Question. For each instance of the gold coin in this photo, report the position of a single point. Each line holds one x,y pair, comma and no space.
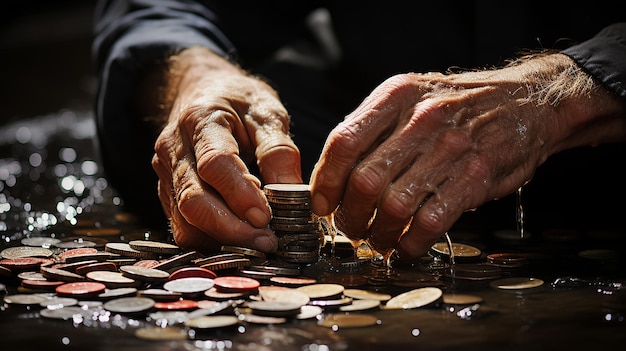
278,293
348,320
366,295
360,305
209,322
459,250
516,283
461,299
321,290
159,333
154,246
414,298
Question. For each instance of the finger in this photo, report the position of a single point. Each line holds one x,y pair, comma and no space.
203,208
347,143
414,185
164,185
277,155
219,164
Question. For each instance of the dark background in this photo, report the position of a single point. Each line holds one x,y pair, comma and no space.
45,61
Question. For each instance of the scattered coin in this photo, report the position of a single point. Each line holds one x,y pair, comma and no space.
44,242
154,246
25,251
189,285
117,293
461,299
69,312
159,294
161,333
308,312
292,281
113,279
414,298
58,302
149,275
129,304
516,283
365,294
361,305
277,293
348,320
506,260
275,308
244,251
25,299
321,290
256,319
230,284
192,272
80,289
177,305
211,322
124,249
459,250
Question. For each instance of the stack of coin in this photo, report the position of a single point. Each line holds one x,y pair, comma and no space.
297,229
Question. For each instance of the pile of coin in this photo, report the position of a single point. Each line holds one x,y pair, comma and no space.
297,229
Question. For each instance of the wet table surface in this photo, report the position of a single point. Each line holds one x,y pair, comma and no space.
52,186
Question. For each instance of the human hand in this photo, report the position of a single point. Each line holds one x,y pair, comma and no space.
221,117
424,148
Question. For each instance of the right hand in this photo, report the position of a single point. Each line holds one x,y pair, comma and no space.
221,117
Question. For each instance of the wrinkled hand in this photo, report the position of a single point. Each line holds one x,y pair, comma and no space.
221,117
424,148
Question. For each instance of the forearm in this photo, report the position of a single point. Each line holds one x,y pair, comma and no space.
587,112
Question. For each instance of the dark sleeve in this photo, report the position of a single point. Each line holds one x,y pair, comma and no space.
131,35
604,57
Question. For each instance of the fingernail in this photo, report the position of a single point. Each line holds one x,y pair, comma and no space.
265,244
257,217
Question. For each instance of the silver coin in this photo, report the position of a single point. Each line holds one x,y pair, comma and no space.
189,285
129,304
160,294
65,313
31,276
144,273
75,244
58,302
112,279
25,251
256,319
117,293
26,299
170,317
275,308
211,322
154,246
40,242
124,249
